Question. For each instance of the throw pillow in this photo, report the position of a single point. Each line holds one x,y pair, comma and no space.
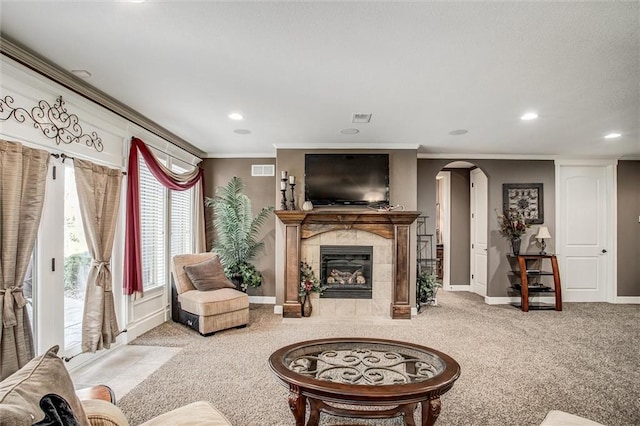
26,387
208,275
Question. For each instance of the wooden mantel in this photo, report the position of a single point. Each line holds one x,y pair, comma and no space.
394,225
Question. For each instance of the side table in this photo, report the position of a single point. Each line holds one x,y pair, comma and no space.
526,272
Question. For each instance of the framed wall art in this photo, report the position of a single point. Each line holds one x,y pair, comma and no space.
526,198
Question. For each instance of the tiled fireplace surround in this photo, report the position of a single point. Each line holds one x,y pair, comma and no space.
386,232
378,305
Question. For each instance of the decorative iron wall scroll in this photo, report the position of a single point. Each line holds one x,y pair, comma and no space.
526,198
53,120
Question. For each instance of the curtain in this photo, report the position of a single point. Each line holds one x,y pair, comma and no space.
176,181
99,198
23,173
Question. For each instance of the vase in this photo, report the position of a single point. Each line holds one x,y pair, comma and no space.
515,245
306,306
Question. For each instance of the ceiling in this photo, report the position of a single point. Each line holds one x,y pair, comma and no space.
298,71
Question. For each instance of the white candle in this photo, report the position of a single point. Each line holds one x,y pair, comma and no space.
292,180
283,174
283,185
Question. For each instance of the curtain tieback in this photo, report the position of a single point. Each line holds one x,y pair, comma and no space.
11,294
101,264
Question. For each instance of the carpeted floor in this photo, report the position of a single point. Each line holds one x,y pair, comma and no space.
515,366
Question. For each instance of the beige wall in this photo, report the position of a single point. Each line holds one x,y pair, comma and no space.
628,228
218,172
498,172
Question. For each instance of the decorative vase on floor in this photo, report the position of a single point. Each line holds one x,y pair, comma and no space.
306,306
515,245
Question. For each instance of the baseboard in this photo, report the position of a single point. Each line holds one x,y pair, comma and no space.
514,299
459,288
144,324
627,300
263,300
414,311
277,309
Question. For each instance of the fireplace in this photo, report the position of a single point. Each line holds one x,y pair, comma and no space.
346,271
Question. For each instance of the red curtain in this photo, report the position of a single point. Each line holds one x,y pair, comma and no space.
132,245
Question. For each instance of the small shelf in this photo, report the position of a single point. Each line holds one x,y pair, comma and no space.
538,306
524,270
534,289
533,273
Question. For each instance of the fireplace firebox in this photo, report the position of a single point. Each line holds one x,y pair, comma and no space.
346,271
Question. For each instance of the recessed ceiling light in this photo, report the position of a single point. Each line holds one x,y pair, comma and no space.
613,135
349,131
458,132
235,116
529,116
242,131
81,73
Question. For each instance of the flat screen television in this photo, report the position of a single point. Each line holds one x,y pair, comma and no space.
347,179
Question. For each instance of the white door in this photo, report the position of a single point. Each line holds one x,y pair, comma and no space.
479,244
584,227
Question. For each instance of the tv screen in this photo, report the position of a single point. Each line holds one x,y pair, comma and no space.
347,179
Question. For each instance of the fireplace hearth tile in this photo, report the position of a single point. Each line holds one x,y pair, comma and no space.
345,238
382,272
381,289
381,307
328,239
364,238
363,307
345,307
382,254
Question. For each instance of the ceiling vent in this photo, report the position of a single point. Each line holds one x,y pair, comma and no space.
361,118
263,170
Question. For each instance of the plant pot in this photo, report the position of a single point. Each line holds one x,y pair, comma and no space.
515,245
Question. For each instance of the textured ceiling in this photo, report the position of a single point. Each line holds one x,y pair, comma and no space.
298,71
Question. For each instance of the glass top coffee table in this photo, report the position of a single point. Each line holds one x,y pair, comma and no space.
364,372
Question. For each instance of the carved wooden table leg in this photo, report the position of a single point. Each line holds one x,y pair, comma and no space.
314,412
408,411
430,411
297,404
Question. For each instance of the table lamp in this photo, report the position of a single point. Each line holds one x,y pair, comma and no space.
543,233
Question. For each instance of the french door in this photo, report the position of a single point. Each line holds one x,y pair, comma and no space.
60,266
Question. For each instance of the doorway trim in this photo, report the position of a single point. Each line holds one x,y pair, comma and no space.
445,177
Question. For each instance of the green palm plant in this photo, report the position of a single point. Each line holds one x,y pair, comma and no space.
237,232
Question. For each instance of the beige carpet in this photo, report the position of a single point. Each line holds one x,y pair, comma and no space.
515,366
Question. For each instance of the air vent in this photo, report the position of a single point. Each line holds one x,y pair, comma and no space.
361,118
263,170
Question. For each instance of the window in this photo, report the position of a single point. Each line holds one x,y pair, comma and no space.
181,222
153,206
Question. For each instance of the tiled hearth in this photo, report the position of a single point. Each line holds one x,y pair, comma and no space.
378,305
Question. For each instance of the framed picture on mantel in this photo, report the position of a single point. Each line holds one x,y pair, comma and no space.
526,198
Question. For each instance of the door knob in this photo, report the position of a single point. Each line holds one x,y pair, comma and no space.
604,250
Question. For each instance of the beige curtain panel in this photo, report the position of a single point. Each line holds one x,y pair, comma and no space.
99,198
23,174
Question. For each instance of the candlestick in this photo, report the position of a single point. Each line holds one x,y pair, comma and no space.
292,180
283,185
292,204
283,200
283,174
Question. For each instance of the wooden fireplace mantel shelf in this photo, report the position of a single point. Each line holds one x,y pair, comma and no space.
318,221
394,225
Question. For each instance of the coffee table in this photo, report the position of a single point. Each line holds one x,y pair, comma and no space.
363,372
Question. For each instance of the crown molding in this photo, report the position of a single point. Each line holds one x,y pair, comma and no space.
241,155
53,72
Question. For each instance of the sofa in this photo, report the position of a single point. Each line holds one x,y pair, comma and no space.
202,297
41,393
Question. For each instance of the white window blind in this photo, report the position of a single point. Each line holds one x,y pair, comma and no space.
181,226
152,217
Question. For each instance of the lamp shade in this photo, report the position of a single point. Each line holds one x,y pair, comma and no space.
543,233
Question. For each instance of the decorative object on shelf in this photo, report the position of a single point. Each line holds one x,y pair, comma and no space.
237,233
53,120
512,226
283,189
526,198
292,184
309,283
543,234
427,288
307,206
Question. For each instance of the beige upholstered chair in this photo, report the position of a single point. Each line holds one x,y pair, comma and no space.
204,311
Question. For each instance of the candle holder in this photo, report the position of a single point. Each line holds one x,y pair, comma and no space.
292,204
283,200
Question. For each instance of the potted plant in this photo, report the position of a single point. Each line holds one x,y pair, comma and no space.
428,286
237,233
512,226
309,283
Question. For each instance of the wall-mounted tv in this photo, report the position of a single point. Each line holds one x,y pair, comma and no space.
347,179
